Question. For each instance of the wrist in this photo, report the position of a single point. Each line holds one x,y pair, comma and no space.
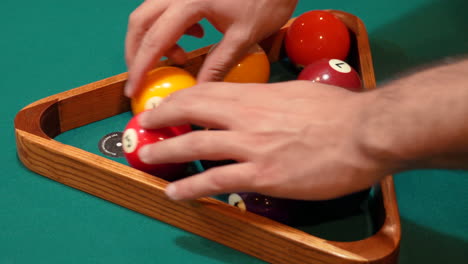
412,123
418,121
379,131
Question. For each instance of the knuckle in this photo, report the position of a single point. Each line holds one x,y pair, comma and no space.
261,141
195,5
135,19
175,104
188,96
150,42
191,3
191,91
241,37
259,179
222,182
217,71
247,179
206,89
265,176
219,182
181,103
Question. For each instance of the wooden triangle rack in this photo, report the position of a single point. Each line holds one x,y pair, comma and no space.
37,124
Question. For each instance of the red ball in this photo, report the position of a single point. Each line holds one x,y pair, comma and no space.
333,72
135,137
316,35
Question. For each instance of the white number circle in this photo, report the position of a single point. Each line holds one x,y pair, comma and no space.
153,102
340,66
130,140
235,199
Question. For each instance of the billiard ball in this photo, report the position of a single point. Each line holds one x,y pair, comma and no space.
316,35
299,212
158,84
270,207
135,137
333,72
252,68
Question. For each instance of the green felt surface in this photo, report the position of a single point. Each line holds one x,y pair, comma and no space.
51,46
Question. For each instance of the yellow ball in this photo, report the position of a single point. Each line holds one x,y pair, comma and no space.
158,84
253,68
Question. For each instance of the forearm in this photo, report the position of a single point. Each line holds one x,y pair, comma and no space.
421,120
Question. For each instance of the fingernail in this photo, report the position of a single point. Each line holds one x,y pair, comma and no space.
171,192
144,154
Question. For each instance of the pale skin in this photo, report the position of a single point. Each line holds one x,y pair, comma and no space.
304,140
156,25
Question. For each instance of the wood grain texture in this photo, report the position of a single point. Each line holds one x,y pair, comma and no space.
268,240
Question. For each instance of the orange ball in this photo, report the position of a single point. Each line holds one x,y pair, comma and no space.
158,84
252,68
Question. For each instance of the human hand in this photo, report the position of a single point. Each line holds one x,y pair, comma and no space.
296,139
155,27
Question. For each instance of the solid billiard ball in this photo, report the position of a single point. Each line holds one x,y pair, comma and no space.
252,68
316,35
135,137
158,84
333,72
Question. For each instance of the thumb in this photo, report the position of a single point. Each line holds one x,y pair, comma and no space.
223,57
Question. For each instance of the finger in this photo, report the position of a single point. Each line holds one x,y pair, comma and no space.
198,145
224,56
224,179
177,55
164,33
187,107
139,22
